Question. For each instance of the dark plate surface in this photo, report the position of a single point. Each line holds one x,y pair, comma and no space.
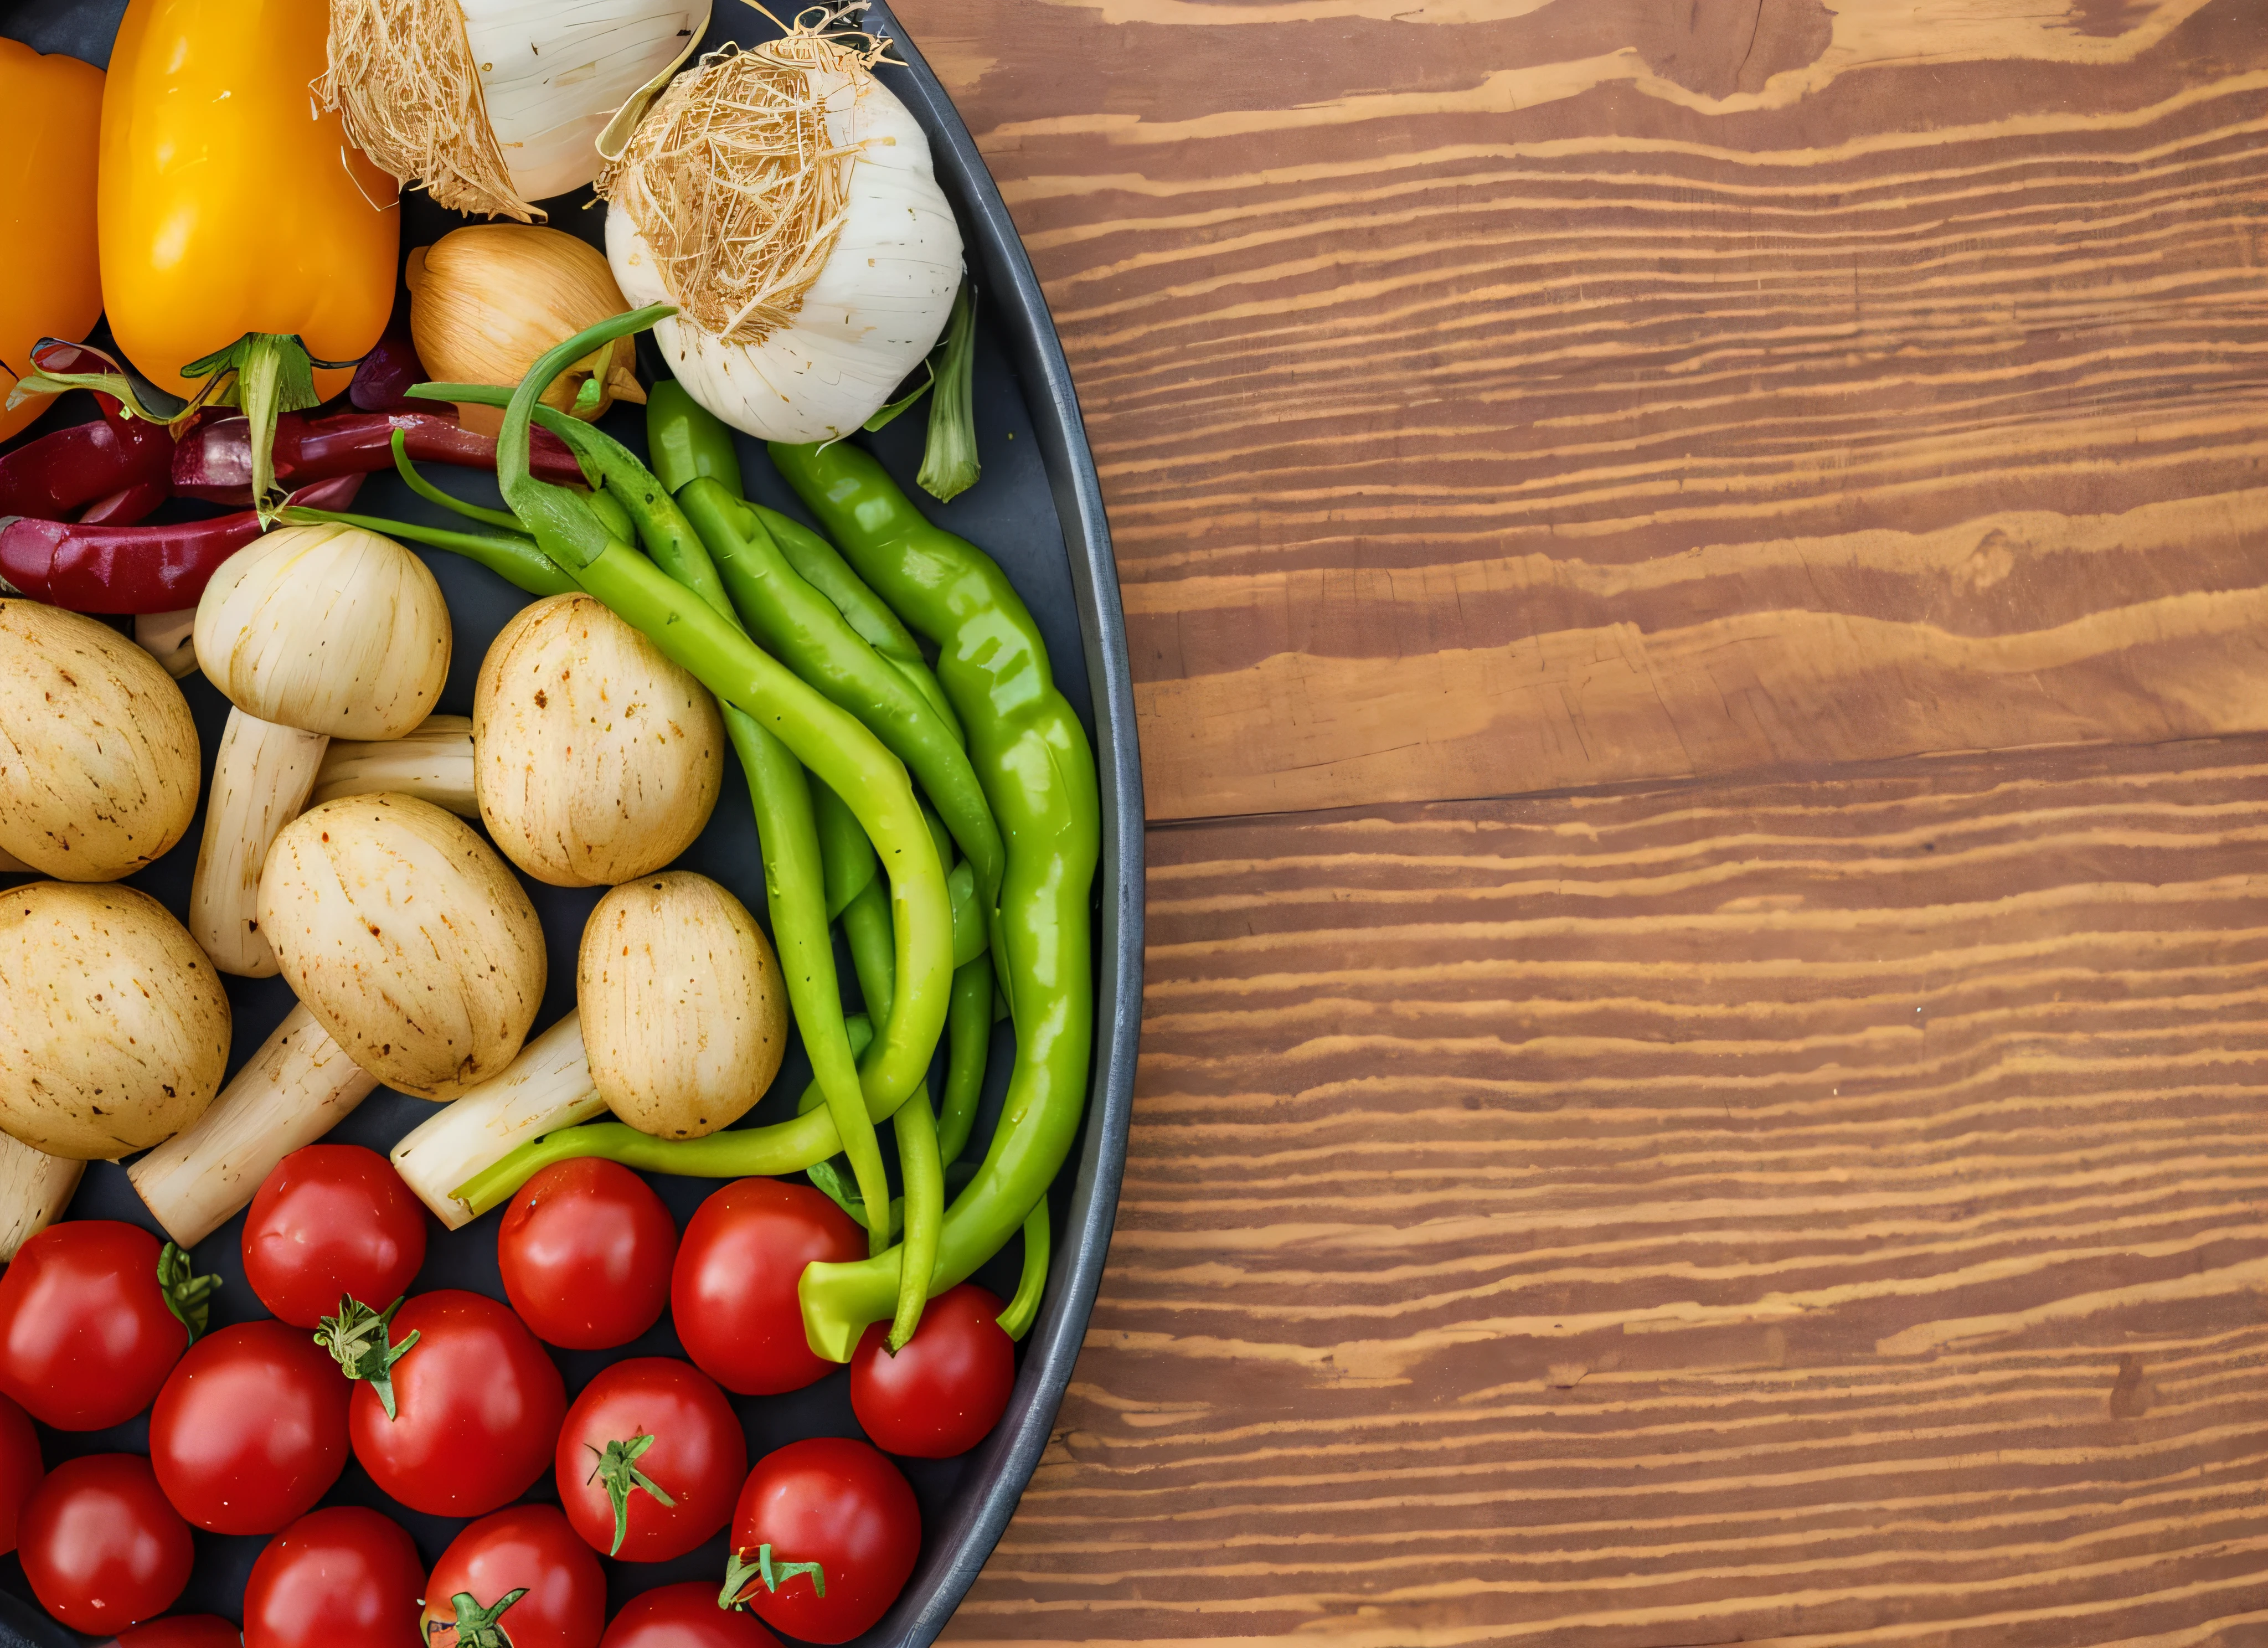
1038,510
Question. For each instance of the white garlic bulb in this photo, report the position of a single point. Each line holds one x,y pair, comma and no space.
493,104
879,298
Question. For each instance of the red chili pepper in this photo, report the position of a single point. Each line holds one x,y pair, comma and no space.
381,383
214,460
56,473
130,507
135,568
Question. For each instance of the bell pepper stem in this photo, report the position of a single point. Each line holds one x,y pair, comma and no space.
268,374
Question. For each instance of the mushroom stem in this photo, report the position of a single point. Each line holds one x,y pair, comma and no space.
434,763
171,638
548,1086
35,1189
261,778
299,1085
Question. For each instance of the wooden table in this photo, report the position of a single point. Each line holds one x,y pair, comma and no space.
1698,572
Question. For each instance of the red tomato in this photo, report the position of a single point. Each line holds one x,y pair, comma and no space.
251,1430
20,1468
332,1219
477,1407
733,1290
342,1578
684,1617
836,1502
528,1546
86,1336
695,1453
183,1630
947,1388
586,1250
102,1548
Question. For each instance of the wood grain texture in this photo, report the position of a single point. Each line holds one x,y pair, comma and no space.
1826,1212
1498,395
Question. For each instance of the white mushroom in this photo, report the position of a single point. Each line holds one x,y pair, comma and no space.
98,756
434,763
548,1086
312,633
407,937
297,1087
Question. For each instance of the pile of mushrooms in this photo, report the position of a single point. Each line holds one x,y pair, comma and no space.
340,850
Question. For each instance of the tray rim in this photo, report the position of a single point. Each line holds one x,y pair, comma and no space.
1007,1460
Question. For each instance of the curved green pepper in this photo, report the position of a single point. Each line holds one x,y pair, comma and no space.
1033,758
832,743
684,439
803,627
828,573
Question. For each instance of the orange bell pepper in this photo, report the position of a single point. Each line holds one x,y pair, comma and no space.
48,284
245,242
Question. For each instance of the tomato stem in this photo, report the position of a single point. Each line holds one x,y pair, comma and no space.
356,1339
186,1294
617,1467
741,1576
476,1626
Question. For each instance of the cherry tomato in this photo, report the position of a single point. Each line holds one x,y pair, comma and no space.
733,1290
528,1546
947,1388
251,1430
20,1468
585,1249
102,1548
85,1335
684,1617
341,1578
683,1436
477,1407
183,1630
839,1503
332,1219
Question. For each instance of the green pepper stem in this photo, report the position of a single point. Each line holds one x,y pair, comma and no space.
432,494
949,466
515,559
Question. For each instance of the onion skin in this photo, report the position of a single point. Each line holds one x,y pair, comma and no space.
99,759
114,1027
407,937
596,760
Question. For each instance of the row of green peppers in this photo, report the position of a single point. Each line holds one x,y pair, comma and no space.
678,552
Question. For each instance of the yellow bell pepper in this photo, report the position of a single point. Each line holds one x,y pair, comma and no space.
48,285
245,242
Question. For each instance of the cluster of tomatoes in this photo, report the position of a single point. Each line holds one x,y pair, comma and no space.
452,1405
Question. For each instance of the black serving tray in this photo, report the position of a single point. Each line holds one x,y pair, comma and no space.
1038,510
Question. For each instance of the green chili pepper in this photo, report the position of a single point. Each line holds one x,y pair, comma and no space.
868,614
804,629
684,439
968,1045
847,855
784,1147
1016,1319
1032,756
866,926
832,743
